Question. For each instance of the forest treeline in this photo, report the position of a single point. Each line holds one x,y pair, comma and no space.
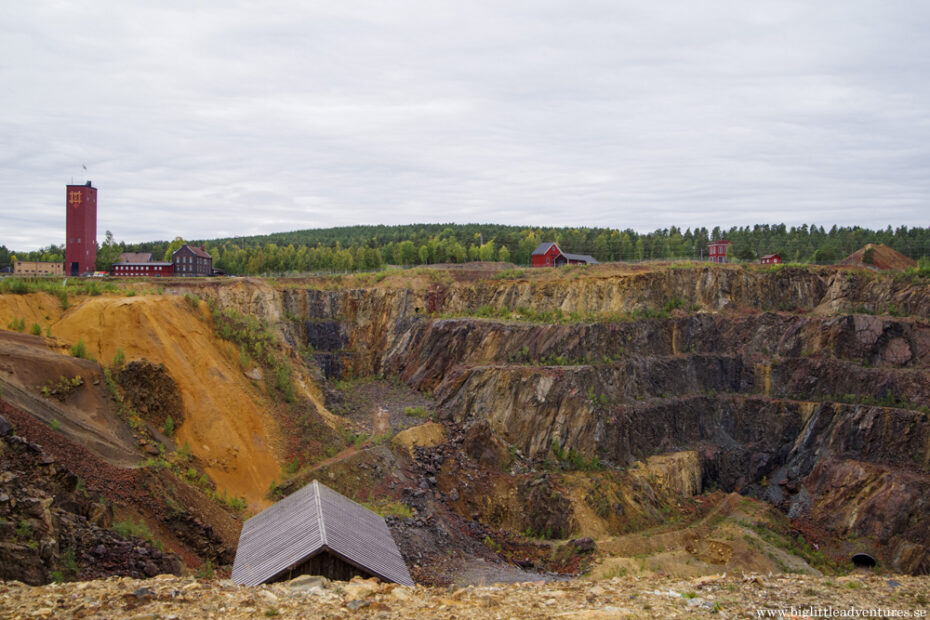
354,248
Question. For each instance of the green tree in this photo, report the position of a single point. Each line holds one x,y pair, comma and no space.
487,251
824,256
745,253
172,247
108,253
408,253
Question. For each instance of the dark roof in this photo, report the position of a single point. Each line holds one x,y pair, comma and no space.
310,521
155,263
588,259
770,256
196,250
135,257
542,248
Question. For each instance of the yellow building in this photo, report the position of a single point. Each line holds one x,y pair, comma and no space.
37,268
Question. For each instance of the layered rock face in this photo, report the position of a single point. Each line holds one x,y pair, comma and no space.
810,389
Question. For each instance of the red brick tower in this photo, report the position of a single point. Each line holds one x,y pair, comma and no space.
81,224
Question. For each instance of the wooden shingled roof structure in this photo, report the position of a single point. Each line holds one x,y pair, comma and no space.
319,532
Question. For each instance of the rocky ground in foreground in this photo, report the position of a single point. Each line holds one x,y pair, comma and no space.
725,596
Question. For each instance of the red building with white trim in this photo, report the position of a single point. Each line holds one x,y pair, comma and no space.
771,259
717,251
150,269
81,229
549,254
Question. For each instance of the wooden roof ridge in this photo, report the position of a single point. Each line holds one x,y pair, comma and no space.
310,521
319,511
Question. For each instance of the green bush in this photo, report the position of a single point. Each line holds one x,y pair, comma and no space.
205,571
79,350
24,530
168,429
416,412
36,329
17,286
118,359
282,381
17,325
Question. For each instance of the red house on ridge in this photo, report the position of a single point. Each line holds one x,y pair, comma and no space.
549,254
718,251
771,259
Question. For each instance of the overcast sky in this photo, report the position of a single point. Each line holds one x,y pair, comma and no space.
209,119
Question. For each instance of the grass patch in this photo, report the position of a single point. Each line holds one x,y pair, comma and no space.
79,350
417,412
778,533
61,388
389,508
130,528
573,460
258,343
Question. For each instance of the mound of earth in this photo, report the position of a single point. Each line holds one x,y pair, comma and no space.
879,256
151,391
66,393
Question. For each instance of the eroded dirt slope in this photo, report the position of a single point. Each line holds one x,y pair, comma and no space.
227,425
67,393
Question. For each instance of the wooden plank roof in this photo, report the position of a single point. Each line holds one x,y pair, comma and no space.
310,521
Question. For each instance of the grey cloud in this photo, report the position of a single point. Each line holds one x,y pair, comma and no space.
235,118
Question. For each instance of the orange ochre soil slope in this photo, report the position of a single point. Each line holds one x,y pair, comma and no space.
226,422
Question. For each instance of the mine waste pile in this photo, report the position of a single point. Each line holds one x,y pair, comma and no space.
594,441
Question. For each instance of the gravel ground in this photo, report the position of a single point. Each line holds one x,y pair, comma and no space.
733,596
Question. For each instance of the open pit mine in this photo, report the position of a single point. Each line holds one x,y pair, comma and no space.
597,428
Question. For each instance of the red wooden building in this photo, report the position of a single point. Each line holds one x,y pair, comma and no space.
148,269
549,254
771,259
717,251
81,229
